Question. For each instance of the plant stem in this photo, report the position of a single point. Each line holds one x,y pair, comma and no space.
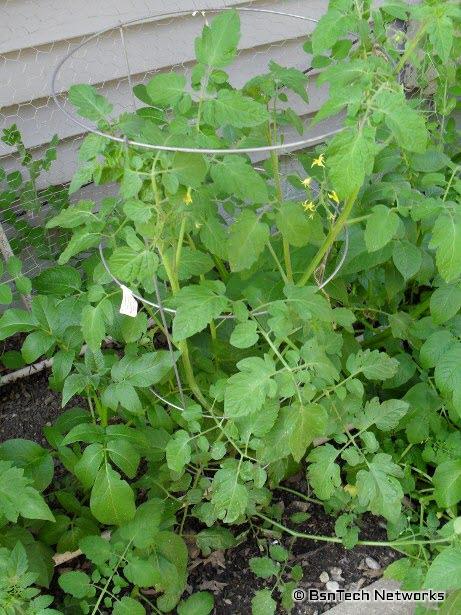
179,246
330,239
365,543
299,494
411,48
277,262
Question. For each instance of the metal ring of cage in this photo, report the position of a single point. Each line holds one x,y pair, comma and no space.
189,150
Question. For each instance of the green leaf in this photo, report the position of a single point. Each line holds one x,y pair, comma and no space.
131,183
381,227
446,240
91,146
263,567
448,370
143,371
178,451
235,177
445,571
16,321
73,384
190,169
140,572
112,499
373,364
131,265
166,89
429,161
128,606
215,538
60,281
406,124
445,303
296,227
331,27
124,394
94,324
308,422
87,467
291,78
234,109
89,103
407,258
230,498
308,303
385,415
349,159
76,215
248,237
169,556
36,462
124,456
6,296
82,240
323,472
192,263
197,306
217,46
77,584
447,483
18,497
435,347
143,529
379,489
35,345
262,603
441,29
244,335
83,175
84,432
133,329
247,390
137,210
200,603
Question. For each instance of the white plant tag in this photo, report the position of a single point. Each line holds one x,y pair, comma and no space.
129,305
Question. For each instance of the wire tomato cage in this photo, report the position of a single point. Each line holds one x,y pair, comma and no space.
119,39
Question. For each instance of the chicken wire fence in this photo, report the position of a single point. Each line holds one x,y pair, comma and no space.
135,40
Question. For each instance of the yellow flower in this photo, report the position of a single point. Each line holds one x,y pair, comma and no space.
309,206
334,197
307,182
331,216
187,198
318,162
351,490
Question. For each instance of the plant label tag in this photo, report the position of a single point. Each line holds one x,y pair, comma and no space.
129,305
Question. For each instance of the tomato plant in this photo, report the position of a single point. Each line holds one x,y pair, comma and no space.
255,365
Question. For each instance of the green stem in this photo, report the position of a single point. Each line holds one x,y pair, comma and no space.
299,495
179,246
277,262
366,543
330,239
411,48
